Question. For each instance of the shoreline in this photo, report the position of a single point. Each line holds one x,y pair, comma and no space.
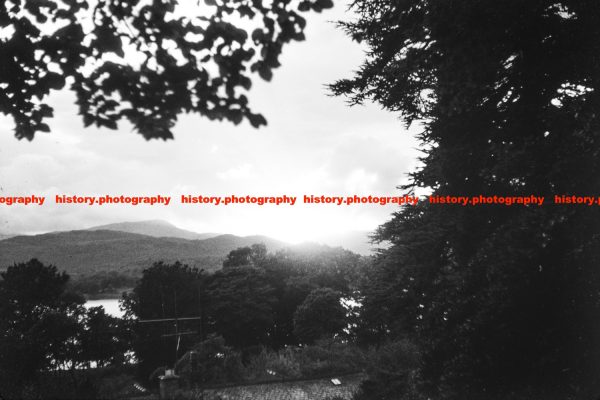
114,295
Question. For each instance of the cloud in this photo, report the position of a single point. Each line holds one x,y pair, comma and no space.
239,172
314,144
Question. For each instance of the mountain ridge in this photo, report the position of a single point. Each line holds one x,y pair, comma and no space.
155,228
132,246
89,251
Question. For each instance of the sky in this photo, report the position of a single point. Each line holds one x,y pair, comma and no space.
315,144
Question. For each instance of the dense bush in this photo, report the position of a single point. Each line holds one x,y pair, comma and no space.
393,373
217,363
211,361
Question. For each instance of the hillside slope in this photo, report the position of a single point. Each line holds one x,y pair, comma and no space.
155,228
85,251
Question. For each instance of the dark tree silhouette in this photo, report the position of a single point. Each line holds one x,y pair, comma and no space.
166,291
499,298
241,306
102,339
293,274
319,316
250,302
245,256
143,61
38,323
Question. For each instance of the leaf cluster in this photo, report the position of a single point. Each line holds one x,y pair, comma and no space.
144,61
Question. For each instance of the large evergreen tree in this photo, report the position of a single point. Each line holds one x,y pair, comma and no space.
499,298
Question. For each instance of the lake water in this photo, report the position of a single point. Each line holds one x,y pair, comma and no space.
111,306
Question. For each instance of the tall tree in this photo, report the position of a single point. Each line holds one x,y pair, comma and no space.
292,274
320,315
241,306
499,298
165,292
102,339
39,323
143,61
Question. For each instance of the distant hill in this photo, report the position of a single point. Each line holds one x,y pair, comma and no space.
356,241
89,251
155,228
5,236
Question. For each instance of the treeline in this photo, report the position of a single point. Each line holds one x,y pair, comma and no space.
47,333
240,323
103,284
257,300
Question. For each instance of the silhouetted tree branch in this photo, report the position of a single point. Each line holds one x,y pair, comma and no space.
142,61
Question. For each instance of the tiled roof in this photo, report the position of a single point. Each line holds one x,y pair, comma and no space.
320,389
